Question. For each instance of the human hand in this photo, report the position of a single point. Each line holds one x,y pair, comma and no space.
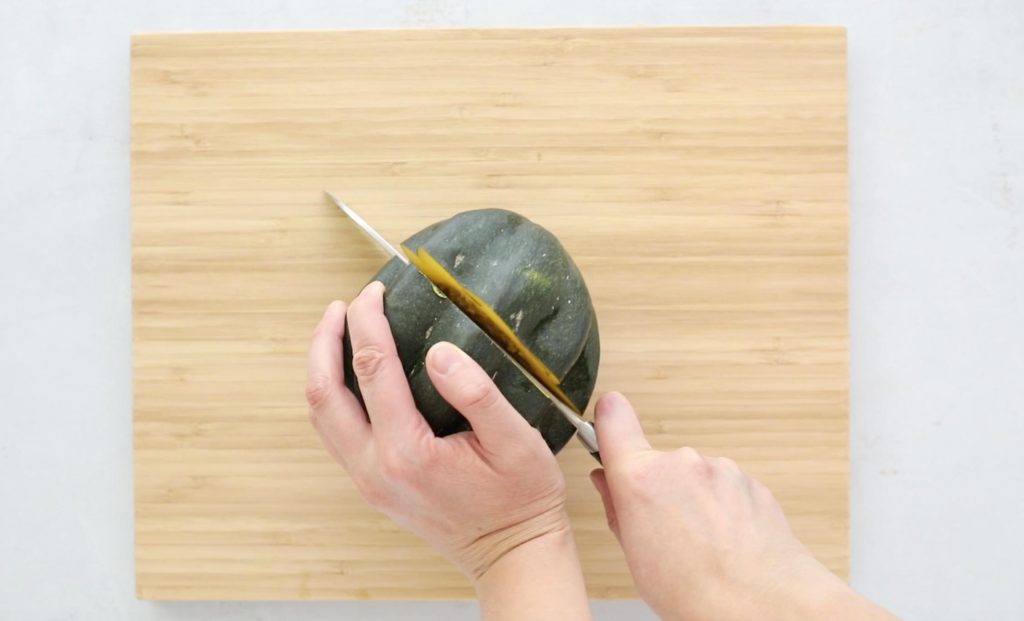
702,539
476,495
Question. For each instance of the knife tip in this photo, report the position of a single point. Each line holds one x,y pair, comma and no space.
337,201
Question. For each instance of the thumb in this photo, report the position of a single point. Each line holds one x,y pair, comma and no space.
618,429
601,483
469,389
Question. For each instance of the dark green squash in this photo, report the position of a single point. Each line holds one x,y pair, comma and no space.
523,272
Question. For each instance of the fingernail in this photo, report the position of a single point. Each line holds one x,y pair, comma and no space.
445,357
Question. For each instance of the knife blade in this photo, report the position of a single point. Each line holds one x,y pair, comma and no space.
366,228
585,431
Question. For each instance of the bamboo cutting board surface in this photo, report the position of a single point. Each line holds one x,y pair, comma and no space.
697,175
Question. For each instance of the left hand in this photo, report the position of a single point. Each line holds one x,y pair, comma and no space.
474,495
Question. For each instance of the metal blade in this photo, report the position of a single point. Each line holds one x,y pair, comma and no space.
585,430
366,228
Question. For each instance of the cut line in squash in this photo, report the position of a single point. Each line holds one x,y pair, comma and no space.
487,319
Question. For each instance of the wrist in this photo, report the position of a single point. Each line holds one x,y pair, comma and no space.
543,533
553,546
539,579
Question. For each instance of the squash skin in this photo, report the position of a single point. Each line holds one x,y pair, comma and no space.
524,274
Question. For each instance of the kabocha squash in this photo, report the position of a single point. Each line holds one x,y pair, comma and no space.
522,272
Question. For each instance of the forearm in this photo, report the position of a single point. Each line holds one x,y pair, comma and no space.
845,604
816,593
538,580
806,591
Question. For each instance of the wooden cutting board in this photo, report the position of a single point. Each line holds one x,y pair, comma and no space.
697,175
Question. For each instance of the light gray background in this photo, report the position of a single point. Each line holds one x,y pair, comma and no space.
936,292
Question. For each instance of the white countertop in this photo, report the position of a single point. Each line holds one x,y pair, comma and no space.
936,112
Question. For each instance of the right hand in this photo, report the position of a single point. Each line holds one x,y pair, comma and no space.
702,539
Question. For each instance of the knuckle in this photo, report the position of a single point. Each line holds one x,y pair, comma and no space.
688,455
480,396
426,461
368,361
723,464
694,463
371,492
418,459
318,388
393,465
703,469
